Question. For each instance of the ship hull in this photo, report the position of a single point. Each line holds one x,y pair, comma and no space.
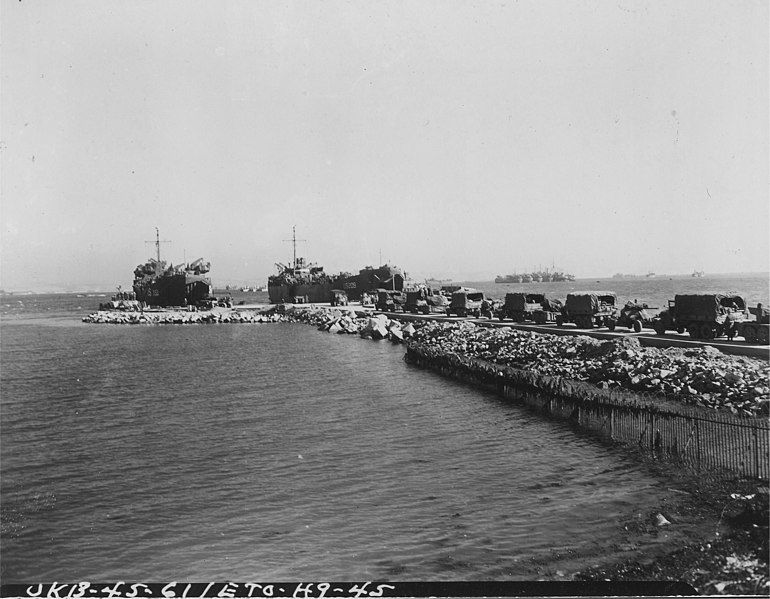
308,293
172,290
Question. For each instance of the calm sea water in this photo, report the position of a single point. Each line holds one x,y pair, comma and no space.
267,452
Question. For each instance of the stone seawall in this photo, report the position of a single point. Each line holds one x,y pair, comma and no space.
711,443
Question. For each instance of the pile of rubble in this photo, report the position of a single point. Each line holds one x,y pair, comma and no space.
702,376
179,317
352,323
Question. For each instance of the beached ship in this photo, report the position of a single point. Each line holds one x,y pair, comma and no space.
306,282
299,283
161,284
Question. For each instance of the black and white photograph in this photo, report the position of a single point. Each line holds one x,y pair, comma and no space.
430,297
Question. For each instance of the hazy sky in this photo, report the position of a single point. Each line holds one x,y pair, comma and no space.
463,139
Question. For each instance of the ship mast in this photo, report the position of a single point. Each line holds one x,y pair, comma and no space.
294,241
157,243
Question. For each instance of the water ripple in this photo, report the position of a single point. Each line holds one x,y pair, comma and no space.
279,452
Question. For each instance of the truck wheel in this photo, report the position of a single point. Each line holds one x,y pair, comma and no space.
660,328
637,326
694,331
749,334
559,321
611,325
680,330
588,322
707,331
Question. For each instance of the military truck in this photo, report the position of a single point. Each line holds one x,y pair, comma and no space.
521,307
466,302
437,302
389,300
586,308
489,308
635,316
425,301
703,316
756,330
339,297
416,301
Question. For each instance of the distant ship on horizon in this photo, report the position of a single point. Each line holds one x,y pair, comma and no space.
434,283
540,276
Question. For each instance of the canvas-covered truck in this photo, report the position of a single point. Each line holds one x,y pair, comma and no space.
521,307
466,302
635,316
550,312
437,301
703,316
425,301
589,308
756,329
389,300
416,301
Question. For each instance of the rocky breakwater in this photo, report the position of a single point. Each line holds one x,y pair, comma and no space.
702,376
180,317
351,322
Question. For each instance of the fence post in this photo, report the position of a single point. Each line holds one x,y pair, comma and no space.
652,433
612,422
697,443
756,451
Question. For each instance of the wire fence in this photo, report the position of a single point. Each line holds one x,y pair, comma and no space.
711,443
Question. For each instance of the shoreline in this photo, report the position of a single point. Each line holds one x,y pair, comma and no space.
734,559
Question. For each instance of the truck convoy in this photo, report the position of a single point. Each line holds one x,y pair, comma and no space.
702,316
